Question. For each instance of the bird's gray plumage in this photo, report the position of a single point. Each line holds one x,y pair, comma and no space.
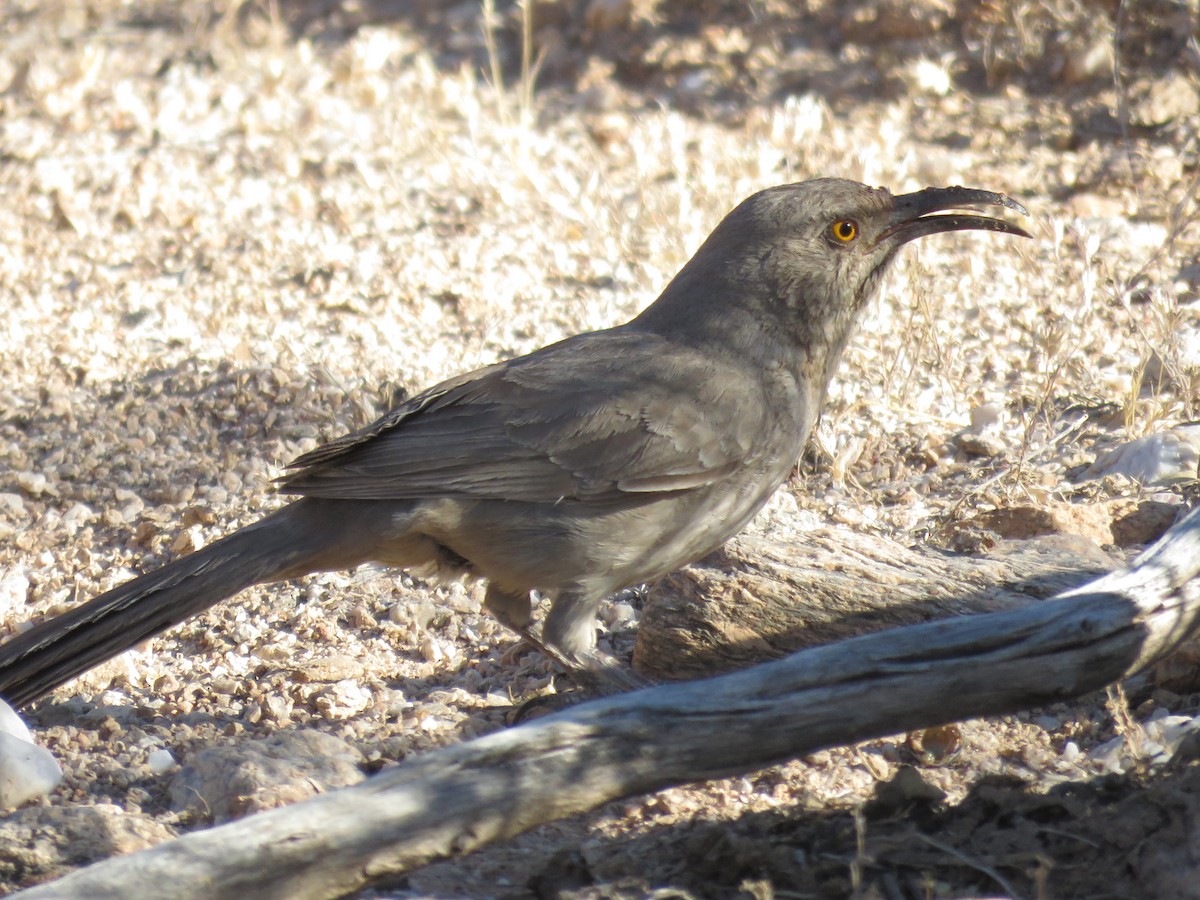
593,464
533,430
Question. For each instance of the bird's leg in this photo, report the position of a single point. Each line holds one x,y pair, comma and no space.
568,637
514,610
570,629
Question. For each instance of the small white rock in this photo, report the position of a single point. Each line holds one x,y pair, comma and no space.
161,760
12,504
11,723
1169,731
14,592
26,771
985,416
33,483
431,649
932,77
112,697
189,540
343,700
1109,755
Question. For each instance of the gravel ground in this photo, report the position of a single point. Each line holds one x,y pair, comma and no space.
232,232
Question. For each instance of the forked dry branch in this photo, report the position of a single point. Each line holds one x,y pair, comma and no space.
455,800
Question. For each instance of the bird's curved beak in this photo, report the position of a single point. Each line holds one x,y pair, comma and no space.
910,219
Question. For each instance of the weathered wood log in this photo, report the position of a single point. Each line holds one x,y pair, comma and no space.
764,596
454,800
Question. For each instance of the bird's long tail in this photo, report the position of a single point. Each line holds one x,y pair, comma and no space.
306,536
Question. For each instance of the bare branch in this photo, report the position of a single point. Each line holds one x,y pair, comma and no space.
455,800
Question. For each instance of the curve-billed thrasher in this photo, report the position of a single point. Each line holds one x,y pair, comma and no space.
602,461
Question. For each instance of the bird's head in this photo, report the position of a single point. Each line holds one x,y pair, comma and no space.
832,238
804,258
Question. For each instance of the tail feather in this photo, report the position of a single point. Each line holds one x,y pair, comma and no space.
290,542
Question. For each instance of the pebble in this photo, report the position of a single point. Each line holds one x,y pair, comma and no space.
14,593
986,415
161,760
12,504
33,483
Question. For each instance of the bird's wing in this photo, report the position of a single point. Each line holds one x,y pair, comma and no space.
594,417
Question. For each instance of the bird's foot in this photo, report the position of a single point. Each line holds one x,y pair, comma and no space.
594,674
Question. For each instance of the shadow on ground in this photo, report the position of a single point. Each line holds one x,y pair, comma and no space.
1119,836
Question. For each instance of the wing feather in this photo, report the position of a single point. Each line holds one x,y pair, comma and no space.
594,418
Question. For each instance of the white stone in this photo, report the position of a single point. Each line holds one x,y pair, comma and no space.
1162,458
11,723
161,760
26,771
14,592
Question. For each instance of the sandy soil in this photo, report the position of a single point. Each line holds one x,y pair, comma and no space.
233,231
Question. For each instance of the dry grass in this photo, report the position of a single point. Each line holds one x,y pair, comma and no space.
232,231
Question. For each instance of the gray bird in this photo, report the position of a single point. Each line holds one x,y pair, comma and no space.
600,462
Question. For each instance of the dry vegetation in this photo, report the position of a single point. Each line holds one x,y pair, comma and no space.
231,231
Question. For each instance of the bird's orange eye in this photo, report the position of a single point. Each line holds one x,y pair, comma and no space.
844,230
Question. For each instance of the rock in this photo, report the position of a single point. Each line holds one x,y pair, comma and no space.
1085,61
161,760
985,436
12,505
980,445
224,783
1172,96
34,483
1027,521
1161,736
906,789
1162,458
14,593
26,771
1123,523
986,416
11,723
1136,523
343,700
926,76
